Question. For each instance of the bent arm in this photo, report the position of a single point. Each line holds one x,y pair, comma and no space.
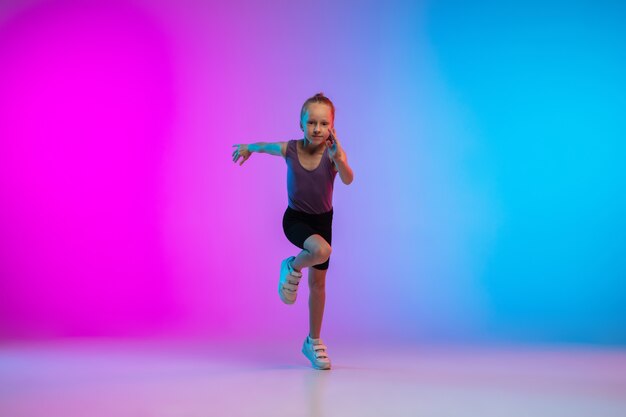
345,172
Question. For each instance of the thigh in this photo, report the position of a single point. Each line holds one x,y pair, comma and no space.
296,228
314,242
309,231
298,233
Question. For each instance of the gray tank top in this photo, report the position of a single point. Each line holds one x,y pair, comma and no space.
309,191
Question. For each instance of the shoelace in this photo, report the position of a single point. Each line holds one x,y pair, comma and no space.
320,351
292,285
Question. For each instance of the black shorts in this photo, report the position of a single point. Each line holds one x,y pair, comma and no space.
298,226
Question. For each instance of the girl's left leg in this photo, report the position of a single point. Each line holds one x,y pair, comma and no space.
317,299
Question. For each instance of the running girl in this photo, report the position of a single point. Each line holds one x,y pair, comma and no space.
312,164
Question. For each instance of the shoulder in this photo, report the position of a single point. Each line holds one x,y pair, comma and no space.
288,146
284,146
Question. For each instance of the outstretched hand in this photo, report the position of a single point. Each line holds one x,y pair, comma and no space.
335,150
241,152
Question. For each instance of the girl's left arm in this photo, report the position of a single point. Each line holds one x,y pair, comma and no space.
345,172
338,155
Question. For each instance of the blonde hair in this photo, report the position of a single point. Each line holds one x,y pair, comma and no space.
318,98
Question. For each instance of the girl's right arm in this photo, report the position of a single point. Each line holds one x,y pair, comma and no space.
245,150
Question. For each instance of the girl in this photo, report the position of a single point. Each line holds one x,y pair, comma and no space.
312,164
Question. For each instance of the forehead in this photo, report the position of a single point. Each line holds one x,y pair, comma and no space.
318,111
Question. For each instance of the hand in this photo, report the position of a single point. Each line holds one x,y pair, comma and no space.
241,152
335,151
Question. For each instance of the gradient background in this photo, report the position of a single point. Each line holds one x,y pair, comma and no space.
487,141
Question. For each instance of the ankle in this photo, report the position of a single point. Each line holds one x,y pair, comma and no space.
292,267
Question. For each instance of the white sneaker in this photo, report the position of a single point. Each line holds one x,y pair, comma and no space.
315,350
289,280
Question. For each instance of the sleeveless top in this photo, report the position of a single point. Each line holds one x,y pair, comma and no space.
309,191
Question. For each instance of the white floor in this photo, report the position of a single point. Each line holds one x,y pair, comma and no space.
75,378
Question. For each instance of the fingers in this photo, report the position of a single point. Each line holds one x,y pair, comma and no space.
243,156
333,136
236,154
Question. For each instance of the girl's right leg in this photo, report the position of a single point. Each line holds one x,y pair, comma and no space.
316,251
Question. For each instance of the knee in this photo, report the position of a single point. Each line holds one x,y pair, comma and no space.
322,252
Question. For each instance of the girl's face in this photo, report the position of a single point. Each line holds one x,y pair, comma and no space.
316,123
